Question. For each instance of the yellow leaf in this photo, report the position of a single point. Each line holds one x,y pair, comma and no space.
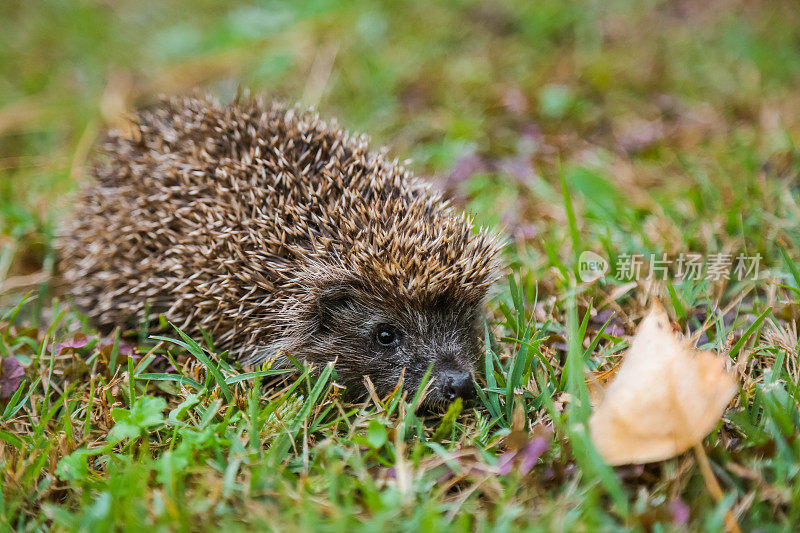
665,398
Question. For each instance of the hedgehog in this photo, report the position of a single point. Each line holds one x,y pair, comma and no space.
279,233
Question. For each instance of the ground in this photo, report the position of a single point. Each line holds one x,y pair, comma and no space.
629,129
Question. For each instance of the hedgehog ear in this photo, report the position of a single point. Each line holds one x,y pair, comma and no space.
331,303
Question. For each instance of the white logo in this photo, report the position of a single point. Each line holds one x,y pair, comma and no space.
591,266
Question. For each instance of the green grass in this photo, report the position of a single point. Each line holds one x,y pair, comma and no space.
618,127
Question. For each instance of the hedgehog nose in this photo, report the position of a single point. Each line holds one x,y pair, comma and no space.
457,384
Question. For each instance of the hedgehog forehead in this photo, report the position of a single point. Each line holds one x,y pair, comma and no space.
412,244
419,310
452,265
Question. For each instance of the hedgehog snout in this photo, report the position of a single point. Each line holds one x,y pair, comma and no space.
453,369
456,384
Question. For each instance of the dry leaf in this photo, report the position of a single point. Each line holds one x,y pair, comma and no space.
665,398
11,375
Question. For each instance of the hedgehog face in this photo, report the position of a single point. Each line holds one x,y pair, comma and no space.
370,338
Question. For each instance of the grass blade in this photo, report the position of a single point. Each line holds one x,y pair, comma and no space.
261,373
193,348
746,335
170,377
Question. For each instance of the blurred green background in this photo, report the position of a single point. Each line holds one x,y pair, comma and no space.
619,126
668,117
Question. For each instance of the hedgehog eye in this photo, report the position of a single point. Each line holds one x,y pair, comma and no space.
386,335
